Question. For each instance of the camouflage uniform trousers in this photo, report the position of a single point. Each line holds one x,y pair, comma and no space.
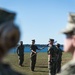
21,59
52,68
59,65
33,61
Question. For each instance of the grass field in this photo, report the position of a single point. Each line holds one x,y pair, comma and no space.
41,65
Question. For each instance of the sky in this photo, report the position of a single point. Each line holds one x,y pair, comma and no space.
40,19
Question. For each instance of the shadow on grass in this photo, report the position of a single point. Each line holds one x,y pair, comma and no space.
41,71
42,66
26,66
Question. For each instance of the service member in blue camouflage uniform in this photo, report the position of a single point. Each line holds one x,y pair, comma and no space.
9,36
69,46
59,58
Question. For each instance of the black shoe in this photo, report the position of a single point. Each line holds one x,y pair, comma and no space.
32,70
21,65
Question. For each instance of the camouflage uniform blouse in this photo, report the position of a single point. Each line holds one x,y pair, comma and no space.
6,70
68,69
52,50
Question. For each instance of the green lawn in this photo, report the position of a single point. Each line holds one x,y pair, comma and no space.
41,65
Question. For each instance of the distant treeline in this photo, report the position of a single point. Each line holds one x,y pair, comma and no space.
27,45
